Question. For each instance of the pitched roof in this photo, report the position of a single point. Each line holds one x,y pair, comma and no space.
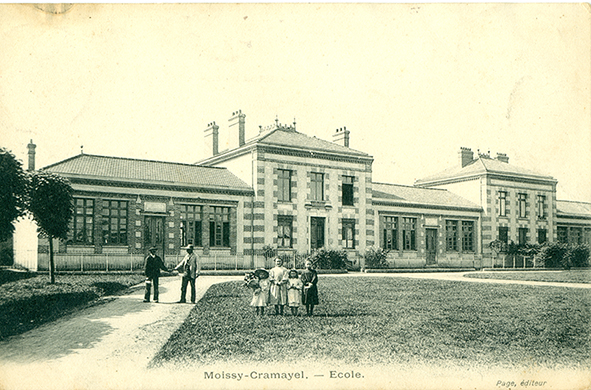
289,138
574,209
147,171
481,166
407,195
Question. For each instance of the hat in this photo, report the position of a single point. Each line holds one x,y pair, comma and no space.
153,249
261,273
190,246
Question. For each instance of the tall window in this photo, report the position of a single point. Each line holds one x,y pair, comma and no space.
562,232
349,233
467,236
82,232
451,232
502,203
284,185
390,233
316,232
409,233
114,222
522,236
504,234
576,236
284,231
541,203
219,227
317,186
347,190
522,205
191,225
542,236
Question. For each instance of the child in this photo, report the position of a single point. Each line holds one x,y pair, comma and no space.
258,281
310,291
294,291
278,289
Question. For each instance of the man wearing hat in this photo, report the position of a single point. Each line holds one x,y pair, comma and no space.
152,267
189,269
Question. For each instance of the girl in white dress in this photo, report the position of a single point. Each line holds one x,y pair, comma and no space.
278,290
260,293
294,291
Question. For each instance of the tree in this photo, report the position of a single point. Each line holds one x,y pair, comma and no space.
51,203
13,192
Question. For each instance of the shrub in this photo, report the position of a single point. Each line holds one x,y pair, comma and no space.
376,258
329,259
578,256
560,255
268,251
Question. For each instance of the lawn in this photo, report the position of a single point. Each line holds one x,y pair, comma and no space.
381,320
578,276
28,300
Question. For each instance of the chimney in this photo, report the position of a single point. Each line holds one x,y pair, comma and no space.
237,120
466,156
341,137
211,139
502,157
31,146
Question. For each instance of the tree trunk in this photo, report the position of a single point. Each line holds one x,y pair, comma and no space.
51,263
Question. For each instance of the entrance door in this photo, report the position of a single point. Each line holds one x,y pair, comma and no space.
316,232
154,233
431,243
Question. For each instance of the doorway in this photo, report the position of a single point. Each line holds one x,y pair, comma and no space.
431,244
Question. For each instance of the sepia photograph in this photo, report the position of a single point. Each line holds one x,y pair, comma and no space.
295,196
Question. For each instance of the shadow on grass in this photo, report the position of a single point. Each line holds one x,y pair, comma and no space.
7,276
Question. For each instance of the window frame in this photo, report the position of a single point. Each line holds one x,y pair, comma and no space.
451,235
317,186
347,191
87,232
283,222
502,203
219,227
409,228
541,206
467,236
284,185
390,232
190,225
110,218
348,225
522,205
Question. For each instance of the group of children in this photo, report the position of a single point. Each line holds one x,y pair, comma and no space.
280,287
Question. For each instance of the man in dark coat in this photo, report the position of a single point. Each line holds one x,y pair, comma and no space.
189,268
153,265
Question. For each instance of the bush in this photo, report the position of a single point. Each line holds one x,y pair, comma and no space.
578,256
329,259
376,258
560,255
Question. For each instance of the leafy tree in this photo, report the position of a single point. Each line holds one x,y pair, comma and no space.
51,203
13,192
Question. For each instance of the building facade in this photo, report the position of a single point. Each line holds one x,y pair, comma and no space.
295,194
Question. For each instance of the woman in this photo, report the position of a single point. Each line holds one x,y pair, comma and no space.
278,291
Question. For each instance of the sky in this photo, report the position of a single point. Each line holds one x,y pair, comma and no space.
412,83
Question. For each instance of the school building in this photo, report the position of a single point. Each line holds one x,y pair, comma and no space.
296,194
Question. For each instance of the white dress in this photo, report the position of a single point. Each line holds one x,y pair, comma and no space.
260,296
278,291
294,292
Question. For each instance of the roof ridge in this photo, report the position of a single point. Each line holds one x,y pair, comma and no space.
573,201
409,186
130,159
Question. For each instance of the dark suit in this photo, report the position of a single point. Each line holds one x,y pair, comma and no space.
153,265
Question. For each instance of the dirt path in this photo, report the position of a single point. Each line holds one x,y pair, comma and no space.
112,342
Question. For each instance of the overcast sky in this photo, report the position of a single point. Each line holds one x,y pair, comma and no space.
413,83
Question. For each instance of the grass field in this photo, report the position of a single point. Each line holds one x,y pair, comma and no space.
28,300
381,320
578,276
